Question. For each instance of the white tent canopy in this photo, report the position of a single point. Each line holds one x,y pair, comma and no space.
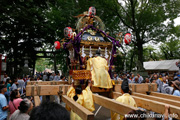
168,65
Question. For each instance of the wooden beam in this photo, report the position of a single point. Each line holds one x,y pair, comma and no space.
141,88
78,109
37,101
159,99
47,82
167,96
33,90
113,105
152,105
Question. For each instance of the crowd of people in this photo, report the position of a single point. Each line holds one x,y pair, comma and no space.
12,92
14,101
165,83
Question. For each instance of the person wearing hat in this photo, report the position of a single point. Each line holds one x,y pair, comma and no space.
99,71
88,97
3,103
125,99
176,86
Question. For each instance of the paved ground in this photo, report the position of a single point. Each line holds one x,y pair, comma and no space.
103,114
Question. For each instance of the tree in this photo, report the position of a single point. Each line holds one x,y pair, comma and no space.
150,53
170,49
145,19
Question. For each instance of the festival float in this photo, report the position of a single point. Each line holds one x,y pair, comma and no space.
82,46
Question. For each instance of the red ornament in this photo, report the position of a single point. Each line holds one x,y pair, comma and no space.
68,32
57,45
92,11
127,38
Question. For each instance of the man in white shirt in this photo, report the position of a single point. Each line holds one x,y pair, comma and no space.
21,84
56,77
45,77
51,77
5,78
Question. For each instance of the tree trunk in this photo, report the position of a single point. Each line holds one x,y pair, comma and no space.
132,56
140,55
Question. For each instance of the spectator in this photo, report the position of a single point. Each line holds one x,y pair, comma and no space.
54,110
140,78
159,84
176,85
178,77
3,103
23,110
51,77
168,88
14,85
115,76
27,81
147,80
25,78
167,78
5,78
21,84
45,77
129,80
38,79
57,77
62,78
14,101
132,77
7,94
136,79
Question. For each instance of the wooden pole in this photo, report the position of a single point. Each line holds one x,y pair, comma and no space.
38,90
47,82
167,96
152,105
113,105
37,101
159,99
78,109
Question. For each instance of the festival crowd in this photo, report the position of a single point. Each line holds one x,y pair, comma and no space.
14,101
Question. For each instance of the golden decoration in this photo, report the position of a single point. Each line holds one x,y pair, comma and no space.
97,39
89,38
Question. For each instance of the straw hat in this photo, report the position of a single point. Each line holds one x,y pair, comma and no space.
176,84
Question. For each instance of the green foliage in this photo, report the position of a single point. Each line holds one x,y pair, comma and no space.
42,64
170,49
145,18
28,26
150,53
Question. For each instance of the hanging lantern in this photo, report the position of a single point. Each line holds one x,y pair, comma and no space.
92,11
68,32
57,45
127,38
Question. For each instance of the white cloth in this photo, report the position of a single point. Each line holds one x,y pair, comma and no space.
21,85
17,115
56,78
45,77
14,86
51,78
